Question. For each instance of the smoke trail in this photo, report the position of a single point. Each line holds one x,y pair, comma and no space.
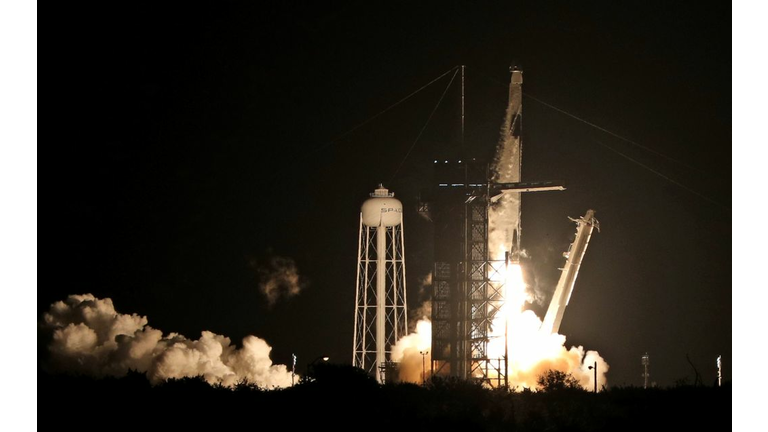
279,278
90,337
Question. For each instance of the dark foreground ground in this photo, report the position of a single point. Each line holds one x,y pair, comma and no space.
341,398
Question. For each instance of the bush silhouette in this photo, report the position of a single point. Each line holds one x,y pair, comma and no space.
338,397
554,380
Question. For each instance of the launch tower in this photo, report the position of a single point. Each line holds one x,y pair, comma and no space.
465,202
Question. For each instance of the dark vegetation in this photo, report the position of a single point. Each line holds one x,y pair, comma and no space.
344,398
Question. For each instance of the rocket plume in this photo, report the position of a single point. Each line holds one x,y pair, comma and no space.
531,351
90,337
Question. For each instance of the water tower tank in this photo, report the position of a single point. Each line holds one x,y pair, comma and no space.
382,209
380,304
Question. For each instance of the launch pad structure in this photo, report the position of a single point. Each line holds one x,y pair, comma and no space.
476,212
465,294
467,281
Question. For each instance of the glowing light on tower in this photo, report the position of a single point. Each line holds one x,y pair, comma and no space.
380,302
646,361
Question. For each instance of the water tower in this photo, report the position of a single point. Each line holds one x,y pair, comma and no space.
380,304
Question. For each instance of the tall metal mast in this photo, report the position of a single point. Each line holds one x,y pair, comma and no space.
462,110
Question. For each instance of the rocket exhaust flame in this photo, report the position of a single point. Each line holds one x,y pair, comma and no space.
530,351
91,338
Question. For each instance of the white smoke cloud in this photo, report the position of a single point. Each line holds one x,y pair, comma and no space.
280,278
533,352
423,312
407,351
90,337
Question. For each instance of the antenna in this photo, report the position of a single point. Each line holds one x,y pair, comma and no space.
719,371
462,108
646,362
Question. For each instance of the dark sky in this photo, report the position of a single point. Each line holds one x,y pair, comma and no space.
194,142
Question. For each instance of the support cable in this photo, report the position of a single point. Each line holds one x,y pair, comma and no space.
424,127
662,175
700,195
648,149
370,119
602,129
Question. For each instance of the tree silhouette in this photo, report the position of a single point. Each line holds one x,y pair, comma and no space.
554,380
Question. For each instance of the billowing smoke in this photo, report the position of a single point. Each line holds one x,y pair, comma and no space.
408,352
533,352
90,337
423,312
279,279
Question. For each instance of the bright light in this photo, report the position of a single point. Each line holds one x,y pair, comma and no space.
531,352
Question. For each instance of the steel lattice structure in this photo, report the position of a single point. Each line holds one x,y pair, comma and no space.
467,291
467,286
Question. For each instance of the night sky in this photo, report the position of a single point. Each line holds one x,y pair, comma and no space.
194,143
